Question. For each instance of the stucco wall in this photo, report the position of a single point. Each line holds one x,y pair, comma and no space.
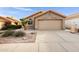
50,16
47,16
1,25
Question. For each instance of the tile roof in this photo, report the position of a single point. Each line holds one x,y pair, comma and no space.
51,12
44,12
8,19
11,19
33,14
4,19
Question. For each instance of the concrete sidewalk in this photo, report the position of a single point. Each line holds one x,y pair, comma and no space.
47,41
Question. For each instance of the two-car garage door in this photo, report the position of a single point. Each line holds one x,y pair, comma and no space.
49,24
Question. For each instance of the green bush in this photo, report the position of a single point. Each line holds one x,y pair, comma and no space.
19,34
10,27
7,33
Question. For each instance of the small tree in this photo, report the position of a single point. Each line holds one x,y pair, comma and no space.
24,23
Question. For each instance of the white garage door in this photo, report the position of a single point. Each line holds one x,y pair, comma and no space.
50,25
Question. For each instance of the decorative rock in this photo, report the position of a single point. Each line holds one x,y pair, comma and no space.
24,38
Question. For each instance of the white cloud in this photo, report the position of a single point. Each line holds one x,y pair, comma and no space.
24,9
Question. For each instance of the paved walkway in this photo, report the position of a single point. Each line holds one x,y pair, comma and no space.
47,41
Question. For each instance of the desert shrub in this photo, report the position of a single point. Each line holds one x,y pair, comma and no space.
19,34
7,33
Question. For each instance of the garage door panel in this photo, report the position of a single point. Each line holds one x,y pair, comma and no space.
49,25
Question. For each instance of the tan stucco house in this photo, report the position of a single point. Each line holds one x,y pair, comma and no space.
46,20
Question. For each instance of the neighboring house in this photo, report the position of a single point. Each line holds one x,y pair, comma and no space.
4,21
72,20
46,20
13,21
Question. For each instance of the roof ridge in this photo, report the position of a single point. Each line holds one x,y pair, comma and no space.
72,15
11,19
34,14
52,12
4,18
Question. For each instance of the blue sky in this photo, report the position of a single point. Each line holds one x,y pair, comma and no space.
20,12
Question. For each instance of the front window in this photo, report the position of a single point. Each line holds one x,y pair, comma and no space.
30,21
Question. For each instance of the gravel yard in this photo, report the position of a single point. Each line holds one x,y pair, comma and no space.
28,38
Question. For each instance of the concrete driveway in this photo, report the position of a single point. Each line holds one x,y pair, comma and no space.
47,41
54,41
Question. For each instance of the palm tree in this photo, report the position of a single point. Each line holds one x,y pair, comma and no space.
24,23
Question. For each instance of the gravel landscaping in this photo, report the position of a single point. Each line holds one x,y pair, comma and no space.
28,38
